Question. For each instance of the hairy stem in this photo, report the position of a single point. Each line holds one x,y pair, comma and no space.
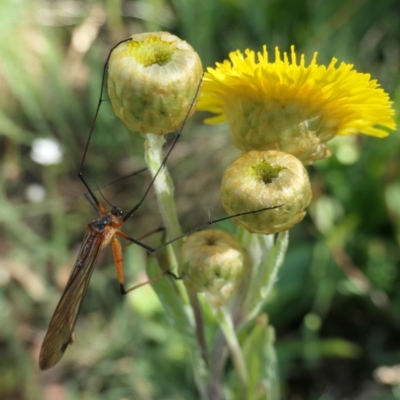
164,188
226,325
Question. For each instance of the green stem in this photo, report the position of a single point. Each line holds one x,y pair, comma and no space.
218,357
226,325
265,276
164,189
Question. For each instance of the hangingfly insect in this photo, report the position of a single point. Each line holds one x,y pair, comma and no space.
99,233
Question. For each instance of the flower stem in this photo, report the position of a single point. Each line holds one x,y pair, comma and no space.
226,325
218,359
265,275
164,189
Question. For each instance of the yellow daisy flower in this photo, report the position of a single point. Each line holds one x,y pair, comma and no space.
291,107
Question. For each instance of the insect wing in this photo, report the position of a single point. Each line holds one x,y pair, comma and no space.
61,327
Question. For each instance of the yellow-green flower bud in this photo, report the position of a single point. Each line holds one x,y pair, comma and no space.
152,82
260,179
213,263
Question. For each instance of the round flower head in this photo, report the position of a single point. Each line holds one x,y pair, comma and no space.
288,106
213,263
152,81
261,179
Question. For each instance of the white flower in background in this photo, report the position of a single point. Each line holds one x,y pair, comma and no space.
35,193
46,151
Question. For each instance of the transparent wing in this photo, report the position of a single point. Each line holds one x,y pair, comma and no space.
61,327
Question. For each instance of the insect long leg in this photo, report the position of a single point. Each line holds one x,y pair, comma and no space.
159,229
199,228
178,135
90,200
117,248
80,173
117,252
156,278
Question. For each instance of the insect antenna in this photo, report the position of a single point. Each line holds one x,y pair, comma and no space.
124,177
102,195
90,200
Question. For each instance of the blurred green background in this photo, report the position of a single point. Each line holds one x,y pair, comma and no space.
336,307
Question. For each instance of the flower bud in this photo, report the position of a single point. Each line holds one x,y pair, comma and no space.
213,263
261,179
152,82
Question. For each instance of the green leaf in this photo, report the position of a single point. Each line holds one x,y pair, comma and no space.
174,307
261,363
265,274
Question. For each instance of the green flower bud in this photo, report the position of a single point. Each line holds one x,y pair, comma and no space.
260,179
152,82
213,263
